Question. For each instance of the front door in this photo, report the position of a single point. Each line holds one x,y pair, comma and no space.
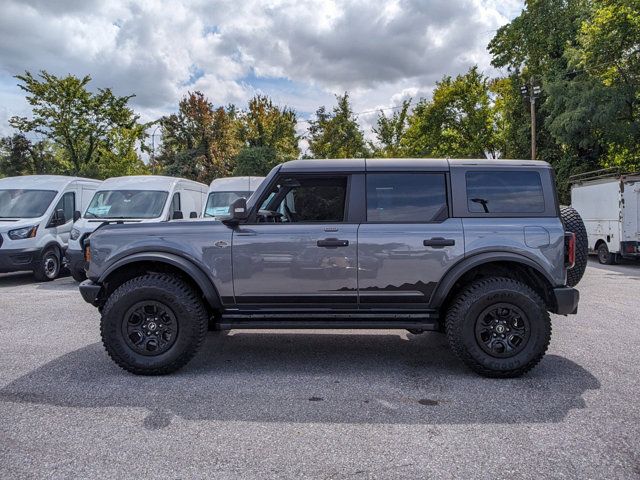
408,241
300,249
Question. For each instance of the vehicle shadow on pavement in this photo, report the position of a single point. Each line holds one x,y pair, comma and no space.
301,377
63,282
628,268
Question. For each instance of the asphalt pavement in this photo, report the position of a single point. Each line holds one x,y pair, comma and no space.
318,404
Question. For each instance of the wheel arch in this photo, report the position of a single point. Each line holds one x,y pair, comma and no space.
138,263
509,265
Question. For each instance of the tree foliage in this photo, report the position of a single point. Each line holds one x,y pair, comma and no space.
76,121
389,132
458,121
336,134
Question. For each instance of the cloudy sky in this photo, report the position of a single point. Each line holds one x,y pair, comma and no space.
300,52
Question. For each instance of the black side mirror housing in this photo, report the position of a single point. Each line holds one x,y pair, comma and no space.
177,215
59,218
237,212
76,216
193,215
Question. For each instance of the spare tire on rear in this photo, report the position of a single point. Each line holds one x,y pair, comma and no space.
573,223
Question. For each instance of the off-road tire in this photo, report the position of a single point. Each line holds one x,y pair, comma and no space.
465,311
48,266
172,293
573,223
604,256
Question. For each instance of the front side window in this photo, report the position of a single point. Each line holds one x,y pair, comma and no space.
19,203
504,192
127,204
307,199
67,204
404,197
218,202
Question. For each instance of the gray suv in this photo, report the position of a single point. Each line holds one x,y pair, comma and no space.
473,248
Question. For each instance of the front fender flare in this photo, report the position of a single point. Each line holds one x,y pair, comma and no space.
457,271
189,268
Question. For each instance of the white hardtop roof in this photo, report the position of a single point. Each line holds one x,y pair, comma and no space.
235,183
41,182
145,182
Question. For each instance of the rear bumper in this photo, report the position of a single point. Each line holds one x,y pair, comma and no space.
566,299
18,259
90,292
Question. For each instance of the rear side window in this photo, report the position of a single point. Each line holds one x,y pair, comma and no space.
406,198
504,192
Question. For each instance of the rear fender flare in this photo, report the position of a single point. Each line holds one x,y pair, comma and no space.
456,272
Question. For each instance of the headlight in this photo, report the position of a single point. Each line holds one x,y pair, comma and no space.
75,234
22,233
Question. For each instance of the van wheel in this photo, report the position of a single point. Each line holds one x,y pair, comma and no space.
153,324
604,256
48,267
498,327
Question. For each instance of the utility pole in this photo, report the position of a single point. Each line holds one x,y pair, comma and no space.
153,150
532,92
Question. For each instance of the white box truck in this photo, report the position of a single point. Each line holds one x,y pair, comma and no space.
609,204
134,199
36,217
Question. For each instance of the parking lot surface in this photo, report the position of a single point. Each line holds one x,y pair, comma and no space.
318,404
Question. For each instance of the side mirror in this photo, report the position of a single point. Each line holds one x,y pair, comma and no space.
177,215
237,212
76,216
193,215
59,217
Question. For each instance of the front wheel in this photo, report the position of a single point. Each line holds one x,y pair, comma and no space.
153,324
48,267
498,327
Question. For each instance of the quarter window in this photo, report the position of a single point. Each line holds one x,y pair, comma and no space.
504,192
406,198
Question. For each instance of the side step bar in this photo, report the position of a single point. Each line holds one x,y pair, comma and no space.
301,320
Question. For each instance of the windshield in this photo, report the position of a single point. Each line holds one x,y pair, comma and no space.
218,202
19,203
126,204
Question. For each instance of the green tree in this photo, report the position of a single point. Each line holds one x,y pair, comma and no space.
199,142
74,119
336,134
459,121
268,126
255,161
20,156
389,132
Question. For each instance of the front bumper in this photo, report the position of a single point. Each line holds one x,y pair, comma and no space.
566,299
18,259
90,292
76,260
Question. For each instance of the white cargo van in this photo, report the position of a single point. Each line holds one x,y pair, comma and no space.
134,199
609,204
223,192
36,217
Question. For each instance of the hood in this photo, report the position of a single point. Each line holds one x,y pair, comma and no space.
88,225
7,224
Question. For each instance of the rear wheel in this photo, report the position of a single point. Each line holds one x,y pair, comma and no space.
48,267
498,327
153,324
604,256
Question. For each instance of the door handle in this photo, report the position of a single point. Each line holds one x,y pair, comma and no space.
439,242
332,243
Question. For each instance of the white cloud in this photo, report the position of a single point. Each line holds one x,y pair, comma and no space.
300,52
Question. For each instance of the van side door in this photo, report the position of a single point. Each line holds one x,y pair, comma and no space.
408,241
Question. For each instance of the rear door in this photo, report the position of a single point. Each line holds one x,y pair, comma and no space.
408,241
301,249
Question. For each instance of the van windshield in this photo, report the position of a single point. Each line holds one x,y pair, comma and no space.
19,203
218,202
127,204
